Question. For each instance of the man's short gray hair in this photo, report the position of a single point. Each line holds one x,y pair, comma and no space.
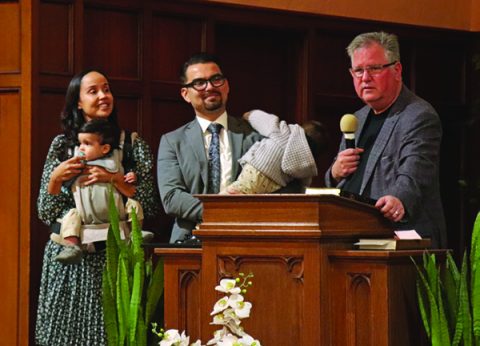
389,42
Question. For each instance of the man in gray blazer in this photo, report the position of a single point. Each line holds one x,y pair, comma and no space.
182,156
396,159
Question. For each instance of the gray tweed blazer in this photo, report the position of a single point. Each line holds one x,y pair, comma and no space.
404,163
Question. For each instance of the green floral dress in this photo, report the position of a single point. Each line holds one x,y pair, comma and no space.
70,300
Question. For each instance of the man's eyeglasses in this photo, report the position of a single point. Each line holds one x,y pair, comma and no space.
372,70
200,84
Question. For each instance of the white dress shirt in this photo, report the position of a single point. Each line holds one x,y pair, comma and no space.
225,149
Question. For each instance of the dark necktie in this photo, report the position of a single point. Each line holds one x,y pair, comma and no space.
214,168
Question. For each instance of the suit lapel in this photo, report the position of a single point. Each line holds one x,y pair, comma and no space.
377,150
383,137
194,137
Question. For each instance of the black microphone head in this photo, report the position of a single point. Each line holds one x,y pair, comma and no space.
348,123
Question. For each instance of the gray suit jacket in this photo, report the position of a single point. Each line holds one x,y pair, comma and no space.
404,163
182,170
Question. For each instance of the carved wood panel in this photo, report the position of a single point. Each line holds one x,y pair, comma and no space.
10,212
112,41
56,38
275,276
10,38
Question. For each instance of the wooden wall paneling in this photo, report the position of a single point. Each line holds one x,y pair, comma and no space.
146,65
114,48
10,214
332,91
261,65
174,40
331,64
45,125
445,60
56,38
9,37
129,112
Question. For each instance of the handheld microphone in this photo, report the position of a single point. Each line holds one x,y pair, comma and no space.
348,125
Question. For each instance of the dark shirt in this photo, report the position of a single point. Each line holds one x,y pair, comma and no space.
367,139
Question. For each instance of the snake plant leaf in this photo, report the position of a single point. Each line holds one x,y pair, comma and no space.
443,323
112,252
432,272
135,301
137,260
451,284
431,320
423,309
154,290
464,319
109,311
141,330
123,298
429,282
114,217
475,278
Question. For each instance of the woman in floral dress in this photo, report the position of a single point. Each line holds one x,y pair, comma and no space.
70,300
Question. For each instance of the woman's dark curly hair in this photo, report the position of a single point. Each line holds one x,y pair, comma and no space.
72,118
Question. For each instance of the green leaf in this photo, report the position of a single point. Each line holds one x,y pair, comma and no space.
114,218
154,290
429,285
135,301
464,319
109,311
123,299
475,277
451,284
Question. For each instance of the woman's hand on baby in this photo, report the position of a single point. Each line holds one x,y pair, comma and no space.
65,171
68,169
96,174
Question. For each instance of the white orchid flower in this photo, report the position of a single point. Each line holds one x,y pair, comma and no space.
170,337
228,286
218,319
234,299
220,305
173,338
249,341
242,309
217,336
230,315
235,328
228,340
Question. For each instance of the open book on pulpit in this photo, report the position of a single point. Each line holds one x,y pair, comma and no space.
393,244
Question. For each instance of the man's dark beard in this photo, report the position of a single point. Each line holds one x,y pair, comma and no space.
213,106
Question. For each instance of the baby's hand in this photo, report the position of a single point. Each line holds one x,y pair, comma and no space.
130,178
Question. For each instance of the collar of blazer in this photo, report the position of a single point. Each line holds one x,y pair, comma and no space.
236,134
385,133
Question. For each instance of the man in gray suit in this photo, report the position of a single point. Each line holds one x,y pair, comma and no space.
182,156
396,159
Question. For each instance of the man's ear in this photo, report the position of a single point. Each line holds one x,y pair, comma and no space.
105,149
184,93
398,70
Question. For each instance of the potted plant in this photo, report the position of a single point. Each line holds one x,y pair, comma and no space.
449,298
131,287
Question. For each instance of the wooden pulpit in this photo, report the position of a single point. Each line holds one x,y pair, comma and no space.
285,241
